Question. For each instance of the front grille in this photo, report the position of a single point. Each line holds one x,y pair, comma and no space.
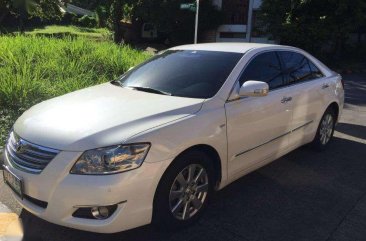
27,156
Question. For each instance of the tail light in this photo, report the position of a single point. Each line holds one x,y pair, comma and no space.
342,81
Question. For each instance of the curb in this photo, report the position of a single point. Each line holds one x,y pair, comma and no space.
11,227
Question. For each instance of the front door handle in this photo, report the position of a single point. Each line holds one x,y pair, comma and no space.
324,86
286,99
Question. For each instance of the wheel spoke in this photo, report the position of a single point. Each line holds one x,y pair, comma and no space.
185,213
329,133
177,207
329,119
191,170
202,188
200,174
322,137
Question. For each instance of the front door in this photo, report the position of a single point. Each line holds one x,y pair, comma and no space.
258,127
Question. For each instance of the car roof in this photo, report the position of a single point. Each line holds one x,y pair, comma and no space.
245,47
225,47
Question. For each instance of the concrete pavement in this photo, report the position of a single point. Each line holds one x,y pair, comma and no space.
304,195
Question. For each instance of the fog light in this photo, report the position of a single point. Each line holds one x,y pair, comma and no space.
100,212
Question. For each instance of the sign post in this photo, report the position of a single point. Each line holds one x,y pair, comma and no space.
196,24
193,7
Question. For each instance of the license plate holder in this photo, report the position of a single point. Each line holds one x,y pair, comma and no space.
13,181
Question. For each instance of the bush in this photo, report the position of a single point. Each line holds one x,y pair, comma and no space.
101,16
33,69
87,21
69,18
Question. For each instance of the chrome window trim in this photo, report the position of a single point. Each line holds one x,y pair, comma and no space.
279,88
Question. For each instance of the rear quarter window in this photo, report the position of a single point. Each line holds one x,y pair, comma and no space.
298,68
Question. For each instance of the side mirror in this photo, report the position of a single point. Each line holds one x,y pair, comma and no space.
254,88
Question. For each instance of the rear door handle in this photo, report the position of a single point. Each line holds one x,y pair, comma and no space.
286,99
324,86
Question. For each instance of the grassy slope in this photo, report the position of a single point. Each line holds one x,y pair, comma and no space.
57,30
34,68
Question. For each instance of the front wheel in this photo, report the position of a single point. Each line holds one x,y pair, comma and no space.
325,130
184,191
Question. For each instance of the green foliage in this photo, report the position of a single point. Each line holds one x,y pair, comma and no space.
87,21
168,16
313,24
210,16
90,4
33,69
23,10
45,9
69,18
102,14
116,15
99,34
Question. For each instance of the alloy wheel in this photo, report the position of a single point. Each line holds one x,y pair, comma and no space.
326,129
188,192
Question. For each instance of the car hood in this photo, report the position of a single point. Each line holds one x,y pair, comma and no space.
99,116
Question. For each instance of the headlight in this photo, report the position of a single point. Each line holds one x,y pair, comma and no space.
111,159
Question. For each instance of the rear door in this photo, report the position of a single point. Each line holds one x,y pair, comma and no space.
305,86
257,127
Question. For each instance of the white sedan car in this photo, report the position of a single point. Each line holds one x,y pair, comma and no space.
154,145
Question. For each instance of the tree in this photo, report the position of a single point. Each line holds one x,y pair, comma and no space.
168,16
116,17
24,9
4,9
312,24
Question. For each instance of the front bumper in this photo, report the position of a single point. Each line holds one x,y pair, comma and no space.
133,191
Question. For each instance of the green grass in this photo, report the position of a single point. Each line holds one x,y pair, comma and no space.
71,31
34,68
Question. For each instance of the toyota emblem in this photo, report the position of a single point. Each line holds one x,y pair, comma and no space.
19,147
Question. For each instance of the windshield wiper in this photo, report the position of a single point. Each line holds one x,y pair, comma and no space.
148,89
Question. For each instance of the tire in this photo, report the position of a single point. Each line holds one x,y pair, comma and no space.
177,204
325,131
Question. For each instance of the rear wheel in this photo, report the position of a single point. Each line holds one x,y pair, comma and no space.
325,130
184,191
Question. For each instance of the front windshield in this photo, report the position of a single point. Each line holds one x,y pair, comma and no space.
184,73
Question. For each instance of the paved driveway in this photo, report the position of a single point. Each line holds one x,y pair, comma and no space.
305,195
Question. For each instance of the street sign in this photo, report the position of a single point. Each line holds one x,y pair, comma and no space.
194,7
188,6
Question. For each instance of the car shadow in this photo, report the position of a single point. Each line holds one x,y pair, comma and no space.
302,196
355,87
352,130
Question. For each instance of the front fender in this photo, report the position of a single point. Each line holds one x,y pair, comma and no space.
169,140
